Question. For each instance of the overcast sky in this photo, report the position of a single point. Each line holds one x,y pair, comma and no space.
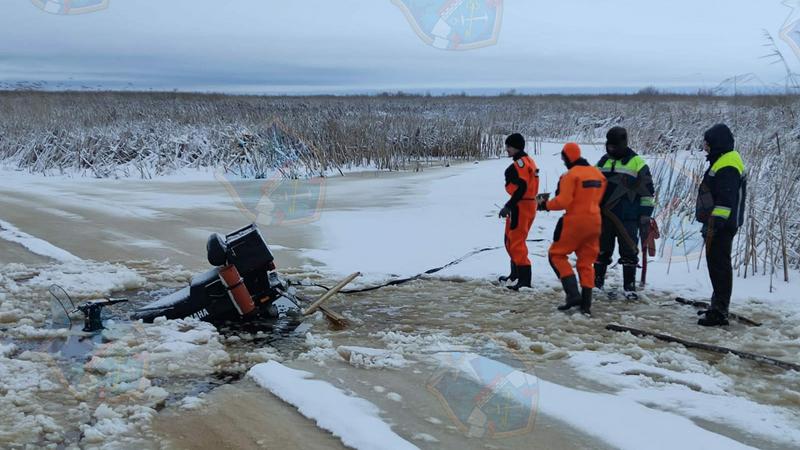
278,46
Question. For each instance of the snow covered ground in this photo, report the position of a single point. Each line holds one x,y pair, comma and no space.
594,388
441,220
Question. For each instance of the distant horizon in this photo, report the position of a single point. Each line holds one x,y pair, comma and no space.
746,90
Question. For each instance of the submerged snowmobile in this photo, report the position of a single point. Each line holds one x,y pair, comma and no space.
242,285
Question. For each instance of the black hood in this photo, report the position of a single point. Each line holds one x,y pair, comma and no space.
619,153
577,162
520,154
720,139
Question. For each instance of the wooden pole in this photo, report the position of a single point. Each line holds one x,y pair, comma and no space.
326,296
708,347
706,305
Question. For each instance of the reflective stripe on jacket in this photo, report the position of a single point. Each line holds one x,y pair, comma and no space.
630,193
723,192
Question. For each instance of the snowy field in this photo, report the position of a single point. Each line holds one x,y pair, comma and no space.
451,361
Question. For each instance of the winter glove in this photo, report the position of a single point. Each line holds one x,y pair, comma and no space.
505,212
542,205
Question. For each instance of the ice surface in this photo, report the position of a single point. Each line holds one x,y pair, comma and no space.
371,358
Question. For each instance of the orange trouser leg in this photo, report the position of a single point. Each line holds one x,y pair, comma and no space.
517,234
558,257
587,255
581,236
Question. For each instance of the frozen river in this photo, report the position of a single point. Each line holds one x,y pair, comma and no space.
432,356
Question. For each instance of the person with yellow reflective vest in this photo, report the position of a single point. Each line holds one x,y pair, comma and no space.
627,207
720,208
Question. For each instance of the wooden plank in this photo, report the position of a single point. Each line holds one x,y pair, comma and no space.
336,319
326,296
708,347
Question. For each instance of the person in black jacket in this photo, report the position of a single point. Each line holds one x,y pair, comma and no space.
720,208
627,208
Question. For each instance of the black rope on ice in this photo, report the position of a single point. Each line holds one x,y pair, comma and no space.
399,281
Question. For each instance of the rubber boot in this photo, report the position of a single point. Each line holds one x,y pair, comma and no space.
586,304
713,318
600,275
523,278
573,297
629,282
512,276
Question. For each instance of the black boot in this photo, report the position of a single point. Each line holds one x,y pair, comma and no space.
586,304
629,282
574,299
713,318
600,275
523,278
512,276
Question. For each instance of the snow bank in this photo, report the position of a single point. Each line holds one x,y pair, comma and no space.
10,233
626,424
691,392
618,421
353,420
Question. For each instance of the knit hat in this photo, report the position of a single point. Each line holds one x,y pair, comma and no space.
571,152
618,137
516,141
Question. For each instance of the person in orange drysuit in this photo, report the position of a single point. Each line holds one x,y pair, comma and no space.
579,193
522,184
